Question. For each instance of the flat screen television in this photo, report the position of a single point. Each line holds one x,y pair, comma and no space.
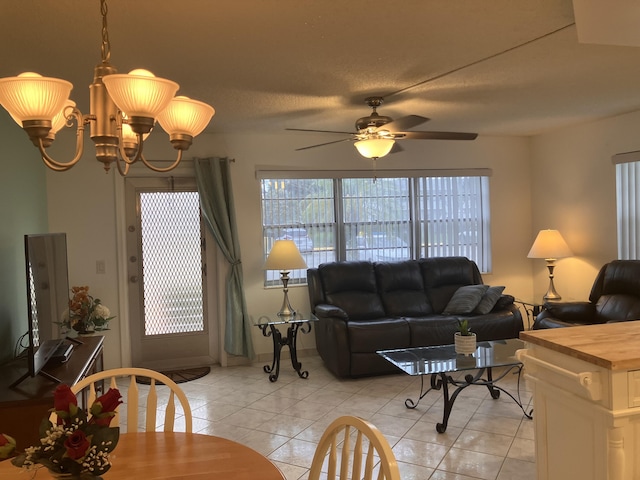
47,298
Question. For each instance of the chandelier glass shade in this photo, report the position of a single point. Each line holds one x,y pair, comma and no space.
374,147
140,93
123,111
30,96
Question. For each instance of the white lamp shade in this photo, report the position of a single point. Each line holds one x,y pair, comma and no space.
284,256
549,244
185,116
30,96
139,93
374,147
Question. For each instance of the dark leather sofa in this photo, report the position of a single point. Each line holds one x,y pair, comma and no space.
363,307
614,297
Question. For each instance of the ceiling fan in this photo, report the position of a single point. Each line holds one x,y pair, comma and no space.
376,134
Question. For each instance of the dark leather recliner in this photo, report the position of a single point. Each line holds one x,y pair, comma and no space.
363,307
614,297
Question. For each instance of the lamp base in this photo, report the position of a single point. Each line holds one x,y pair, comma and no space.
286,310
551,291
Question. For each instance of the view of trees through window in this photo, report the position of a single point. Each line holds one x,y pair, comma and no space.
386,219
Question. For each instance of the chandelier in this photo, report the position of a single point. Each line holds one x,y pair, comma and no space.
123,111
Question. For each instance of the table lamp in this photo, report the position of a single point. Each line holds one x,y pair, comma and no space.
550,245
284,256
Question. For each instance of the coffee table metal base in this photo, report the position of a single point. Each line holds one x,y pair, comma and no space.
441,381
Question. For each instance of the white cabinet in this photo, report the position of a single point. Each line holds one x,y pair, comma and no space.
586,384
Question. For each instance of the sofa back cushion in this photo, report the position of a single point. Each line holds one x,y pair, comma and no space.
401,288
443,276
352,287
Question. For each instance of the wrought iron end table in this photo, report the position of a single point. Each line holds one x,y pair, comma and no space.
294,323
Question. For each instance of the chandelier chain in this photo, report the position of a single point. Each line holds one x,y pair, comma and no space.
106,45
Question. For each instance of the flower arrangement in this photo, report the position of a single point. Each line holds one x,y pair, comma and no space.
86,314
7,445
78,446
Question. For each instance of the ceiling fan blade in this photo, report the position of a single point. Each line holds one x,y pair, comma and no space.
434,136
319,131
322,144
403,123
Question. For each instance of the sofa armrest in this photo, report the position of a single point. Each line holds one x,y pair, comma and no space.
566,313
332,339
330,311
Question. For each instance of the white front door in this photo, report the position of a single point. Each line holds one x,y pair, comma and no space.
166,274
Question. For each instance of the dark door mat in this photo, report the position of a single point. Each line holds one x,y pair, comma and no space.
178,376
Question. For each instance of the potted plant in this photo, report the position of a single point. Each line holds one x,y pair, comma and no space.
464,338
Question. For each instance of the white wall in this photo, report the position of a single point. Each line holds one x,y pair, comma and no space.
573,186
82,203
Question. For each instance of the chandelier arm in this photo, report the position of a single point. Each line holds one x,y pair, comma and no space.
123,171
59,166
160,169
124,156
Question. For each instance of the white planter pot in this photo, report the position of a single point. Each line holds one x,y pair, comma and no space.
465,344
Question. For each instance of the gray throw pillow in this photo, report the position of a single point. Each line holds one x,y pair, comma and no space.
465,299
489,300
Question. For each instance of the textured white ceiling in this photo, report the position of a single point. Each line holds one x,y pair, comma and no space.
495,67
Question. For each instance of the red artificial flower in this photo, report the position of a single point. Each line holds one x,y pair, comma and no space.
7,445
65,403
77,445
103,409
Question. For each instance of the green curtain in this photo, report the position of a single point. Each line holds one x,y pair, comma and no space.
213,176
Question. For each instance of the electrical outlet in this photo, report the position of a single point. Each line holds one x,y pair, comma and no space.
100,267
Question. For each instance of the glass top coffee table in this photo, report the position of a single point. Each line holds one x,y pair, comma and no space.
442,361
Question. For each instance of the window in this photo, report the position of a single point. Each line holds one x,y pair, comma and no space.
384,219
627,201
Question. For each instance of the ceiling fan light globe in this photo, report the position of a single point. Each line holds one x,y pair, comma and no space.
374,147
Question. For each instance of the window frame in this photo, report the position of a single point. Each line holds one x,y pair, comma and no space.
416,249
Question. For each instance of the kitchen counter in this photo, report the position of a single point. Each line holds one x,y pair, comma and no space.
614,346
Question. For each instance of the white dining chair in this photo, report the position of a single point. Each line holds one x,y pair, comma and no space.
370,450
132,397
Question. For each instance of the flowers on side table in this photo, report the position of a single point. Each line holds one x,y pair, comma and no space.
86,314
78,445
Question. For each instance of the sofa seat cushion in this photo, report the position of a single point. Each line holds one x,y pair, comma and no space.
401,289
432,330
380,334
617,307
440,329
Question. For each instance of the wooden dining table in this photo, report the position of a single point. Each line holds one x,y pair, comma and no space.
169,455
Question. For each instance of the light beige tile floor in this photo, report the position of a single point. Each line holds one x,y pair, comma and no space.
486,438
